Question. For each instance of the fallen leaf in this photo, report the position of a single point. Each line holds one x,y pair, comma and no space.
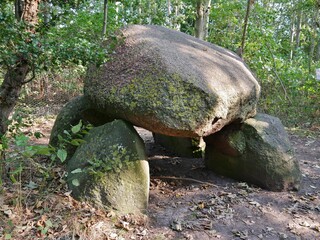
241,234
206,224
201,205
193,208
304,224
38,204
269,229
283,236
123,225
176,225
8,213
316,228
113,235
32,185
142,233
255,203
242,185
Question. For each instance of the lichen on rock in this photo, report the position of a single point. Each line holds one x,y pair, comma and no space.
257,151
110,169
173,84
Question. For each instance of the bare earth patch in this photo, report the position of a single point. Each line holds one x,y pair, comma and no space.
186,202
221,208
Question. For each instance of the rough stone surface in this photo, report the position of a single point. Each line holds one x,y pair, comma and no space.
171,83
181,146
110,169
257,151
79,108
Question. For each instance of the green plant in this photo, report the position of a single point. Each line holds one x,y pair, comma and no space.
45,227
73,137
18,154
120,157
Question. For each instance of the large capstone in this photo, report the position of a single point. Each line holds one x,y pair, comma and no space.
110,169
171,83
257,151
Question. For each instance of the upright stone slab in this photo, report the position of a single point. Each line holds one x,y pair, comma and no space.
172,83
257,151
110,169
181,146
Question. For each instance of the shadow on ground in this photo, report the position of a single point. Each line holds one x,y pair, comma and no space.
188,201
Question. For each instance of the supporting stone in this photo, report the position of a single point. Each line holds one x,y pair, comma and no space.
257,151
110,169
181,146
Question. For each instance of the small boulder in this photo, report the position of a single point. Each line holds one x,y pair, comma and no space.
257,151
171,83
181,146
110,169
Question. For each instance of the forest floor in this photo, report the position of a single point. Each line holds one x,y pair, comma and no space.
186,201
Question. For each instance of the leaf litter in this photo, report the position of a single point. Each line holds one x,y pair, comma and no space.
211,207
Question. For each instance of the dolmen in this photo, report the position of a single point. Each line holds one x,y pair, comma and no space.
185,91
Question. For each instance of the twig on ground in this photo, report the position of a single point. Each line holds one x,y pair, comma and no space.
184,179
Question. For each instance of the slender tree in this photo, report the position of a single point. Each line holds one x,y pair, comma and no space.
26,11
202,18
245,27
105,18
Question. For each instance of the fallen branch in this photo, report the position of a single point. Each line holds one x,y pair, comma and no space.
184,179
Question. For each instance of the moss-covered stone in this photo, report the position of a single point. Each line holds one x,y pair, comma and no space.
257,151
110,169
79,108
173,84
178,104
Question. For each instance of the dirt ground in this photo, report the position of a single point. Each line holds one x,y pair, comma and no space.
181,207
186,201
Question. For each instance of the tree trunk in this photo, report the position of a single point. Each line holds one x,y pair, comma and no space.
245,27
317,56
201,24
168,8
292,31
10,92
46,11
298,29
314,35
15,76
105,18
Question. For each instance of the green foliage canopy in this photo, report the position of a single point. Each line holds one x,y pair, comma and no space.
72,38
282,45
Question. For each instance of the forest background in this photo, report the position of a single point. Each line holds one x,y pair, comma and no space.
51,43
279,40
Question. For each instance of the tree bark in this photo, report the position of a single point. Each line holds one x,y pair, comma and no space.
201,24
317,56
245,27
105,18
298,29
15,76
314,35
292,37
10,92
168,8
